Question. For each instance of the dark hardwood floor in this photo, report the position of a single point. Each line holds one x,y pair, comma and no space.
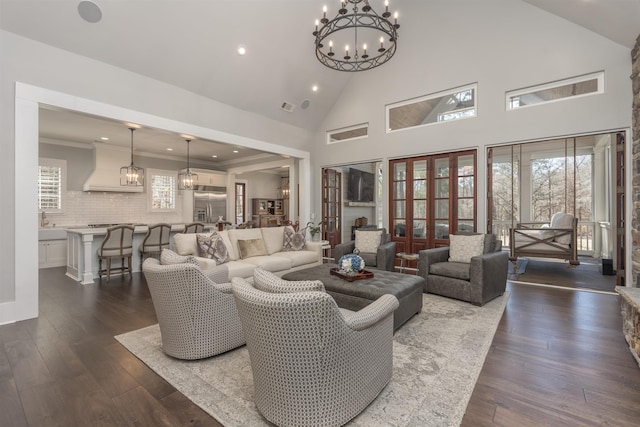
558,358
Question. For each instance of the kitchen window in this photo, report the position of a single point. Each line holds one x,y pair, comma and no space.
51,184
162,190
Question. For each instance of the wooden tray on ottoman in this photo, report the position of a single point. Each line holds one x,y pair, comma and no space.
364,274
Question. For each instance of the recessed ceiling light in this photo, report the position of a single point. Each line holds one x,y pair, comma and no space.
89,11
235,151
314,88
104,138
214,156
169,149
242,50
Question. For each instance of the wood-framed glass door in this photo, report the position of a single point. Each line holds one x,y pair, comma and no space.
331,206
431,196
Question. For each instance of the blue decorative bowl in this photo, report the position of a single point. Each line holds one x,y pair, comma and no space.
351,264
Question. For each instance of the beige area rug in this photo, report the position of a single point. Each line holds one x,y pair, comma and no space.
437,358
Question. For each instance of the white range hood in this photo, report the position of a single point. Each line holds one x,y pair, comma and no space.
108,160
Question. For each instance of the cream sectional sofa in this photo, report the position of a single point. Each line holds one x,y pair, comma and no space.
276,261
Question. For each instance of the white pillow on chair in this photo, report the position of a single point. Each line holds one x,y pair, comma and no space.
368,240
462,247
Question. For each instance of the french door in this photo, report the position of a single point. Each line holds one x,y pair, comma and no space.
431,197
331,206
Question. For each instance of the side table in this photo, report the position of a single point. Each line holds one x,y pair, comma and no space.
326,250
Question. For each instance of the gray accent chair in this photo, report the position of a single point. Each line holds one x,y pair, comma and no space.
478,282
198,318
383,259
313,363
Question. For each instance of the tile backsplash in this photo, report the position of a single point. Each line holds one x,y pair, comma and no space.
82,208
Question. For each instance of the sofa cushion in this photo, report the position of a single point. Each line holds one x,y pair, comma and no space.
293,240
298,258
185,244
273,237
239,269
251,248
457,270
269,263
463,247
368,240
268,282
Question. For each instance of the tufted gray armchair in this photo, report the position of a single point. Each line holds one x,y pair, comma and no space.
198,318
313,363
477,282
382,259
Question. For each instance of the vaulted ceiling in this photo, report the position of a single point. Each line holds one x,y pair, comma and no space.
193,44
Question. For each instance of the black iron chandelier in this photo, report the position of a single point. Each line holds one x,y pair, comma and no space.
368,39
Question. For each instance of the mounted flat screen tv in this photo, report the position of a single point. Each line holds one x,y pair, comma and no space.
360,186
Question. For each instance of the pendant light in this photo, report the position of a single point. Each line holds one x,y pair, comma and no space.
131,175
187,180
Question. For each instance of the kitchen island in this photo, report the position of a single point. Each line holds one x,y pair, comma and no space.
83,244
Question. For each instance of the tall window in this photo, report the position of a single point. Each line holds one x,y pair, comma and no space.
51,182
162,190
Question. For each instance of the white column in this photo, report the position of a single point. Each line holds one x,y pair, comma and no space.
87,268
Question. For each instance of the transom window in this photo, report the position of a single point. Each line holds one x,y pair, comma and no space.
453,104
51,183
589,84
348,133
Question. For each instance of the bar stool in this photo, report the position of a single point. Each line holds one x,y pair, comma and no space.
155,241
118,243
194,227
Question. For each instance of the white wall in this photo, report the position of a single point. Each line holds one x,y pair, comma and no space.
76,82
500,44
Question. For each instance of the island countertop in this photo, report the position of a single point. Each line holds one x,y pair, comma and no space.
83,243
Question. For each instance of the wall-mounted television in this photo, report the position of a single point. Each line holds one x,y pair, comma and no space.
360,186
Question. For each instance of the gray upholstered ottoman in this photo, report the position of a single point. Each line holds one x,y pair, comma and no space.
360,293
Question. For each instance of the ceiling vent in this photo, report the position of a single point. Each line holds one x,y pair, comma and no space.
288,107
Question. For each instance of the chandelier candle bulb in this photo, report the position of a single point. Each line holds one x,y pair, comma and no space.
386,13
324,19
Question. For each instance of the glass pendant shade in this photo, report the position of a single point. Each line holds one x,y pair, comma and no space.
187,180
131,175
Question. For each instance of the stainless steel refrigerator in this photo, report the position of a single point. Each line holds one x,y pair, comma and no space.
210,204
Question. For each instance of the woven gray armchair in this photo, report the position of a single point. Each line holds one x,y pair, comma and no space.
477,282
314,364
197,317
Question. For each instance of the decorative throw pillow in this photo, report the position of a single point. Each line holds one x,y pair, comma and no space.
293,240
266,281
213,247
562,220
546,234
252,247
462,248
368,241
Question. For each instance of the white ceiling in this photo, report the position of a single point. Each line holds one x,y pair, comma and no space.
192,44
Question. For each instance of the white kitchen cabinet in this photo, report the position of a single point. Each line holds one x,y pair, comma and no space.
52,253
211,177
